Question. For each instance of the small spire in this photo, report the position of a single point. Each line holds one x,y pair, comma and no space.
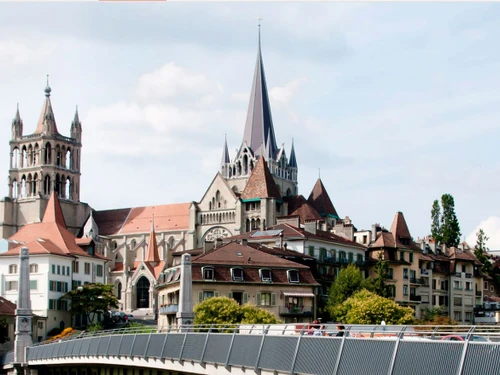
293,159
225,152
47,88
76,119
17,119
319,173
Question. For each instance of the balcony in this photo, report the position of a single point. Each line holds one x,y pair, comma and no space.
295,311
424,272
169,309
415,298
414,280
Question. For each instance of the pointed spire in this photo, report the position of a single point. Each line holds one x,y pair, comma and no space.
152,255
400,231
259,124
53,212
225,153
321,201
47,121
17,119
261,183
292,163
76,119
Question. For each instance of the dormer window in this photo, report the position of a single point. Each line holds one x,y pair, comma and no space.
293,276
265,276
237,274
170,276
208,273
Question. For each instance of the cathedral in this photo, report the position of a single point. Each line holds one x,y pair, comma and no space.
255,190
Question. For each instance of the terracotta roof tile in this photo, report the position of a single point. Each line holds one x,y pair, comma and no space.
138,219
321,201
261,183
7,308
299,206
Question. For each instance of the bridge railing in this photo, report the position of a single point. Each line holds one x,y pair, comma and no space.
291,349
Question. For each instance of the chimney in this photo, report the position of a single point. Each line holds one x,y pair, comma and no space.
374,232
244,242
310,226
322,226
218,242
207,246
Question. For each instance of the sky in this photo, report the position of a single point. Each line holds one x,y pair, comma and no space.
393,104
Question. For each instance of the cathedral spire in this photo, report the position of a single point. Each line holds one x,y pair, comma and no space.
293,160
17,125
76,127
47,121
225,153
259,128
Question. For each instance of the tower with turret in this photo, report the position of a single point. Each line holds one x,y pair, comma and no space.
40,163
259,140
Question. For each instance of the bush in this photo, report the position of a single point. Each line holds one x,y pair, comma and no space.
94,327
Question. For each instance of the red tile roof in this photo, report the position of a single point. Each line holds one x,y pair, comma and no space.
48,237
138,219
399,236
7,308
261,183
299,206
152,255
321,201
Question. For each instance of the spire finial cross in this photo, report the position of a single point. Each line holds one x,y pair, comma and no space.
319,173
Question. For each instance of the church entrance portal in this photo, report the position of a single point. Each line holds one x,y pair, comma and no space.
142,293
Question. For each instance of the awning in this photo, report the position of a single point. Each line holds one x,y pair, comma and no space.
298,294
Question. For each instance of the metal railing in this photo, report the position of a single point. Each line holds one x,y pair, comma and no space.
294,348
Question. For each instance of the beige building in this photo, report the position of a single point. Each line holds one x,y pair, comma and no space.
400,251
452,280
247,274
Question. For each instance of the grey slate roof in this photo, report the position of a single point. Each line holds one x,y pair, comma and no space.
259,131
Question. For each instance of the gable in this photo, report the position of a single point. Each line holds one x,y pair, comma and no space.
217,193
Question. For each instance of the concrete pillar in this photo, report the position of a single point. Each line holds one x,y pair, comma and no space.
23,334
185,315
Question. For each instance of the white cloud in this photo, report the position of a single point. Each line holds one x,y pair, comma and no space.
26,51
490,226
172,80
284,94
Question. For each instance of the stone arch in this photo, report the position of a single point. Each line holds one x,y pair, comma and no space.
142,292
36,151
46,185
24,157
67,188
15,189
58,156
171,242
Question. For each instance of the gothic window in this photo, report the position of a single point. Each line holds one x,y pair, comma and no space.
29,186
15,189
15,158
23,187
33,184
48,153
119,291
58,155
30,155
24,163
46,185
216,233
35,154
68,159
67,189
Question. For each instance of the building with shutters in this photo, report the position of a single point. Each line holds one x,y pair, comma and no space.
247,274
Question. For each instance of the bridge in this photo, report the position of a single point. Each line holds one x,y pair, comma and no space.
275,349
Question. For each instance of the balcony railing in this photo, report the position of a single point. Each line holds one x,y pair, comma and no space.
169,309
337,260
295,310
468,275
414,280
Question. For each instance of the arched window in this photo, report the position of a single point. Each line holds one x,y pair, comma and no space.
36,150
33,268
46,185
29,185
34,190
67,189
15,189
15,158
48,153
24,158
58,155
68,159
30,155
23,187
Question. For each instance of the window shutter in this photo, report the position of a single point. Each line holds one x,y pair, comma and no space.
273,299
230,295
257,299
216,294
245,298
200,297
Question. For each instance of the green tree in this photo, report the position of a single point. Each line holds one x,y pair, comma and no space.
223,310
382,275
450,228
436,222
3,330
255,315
481,251
365,307
217,310
349,281
91,299
435,316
